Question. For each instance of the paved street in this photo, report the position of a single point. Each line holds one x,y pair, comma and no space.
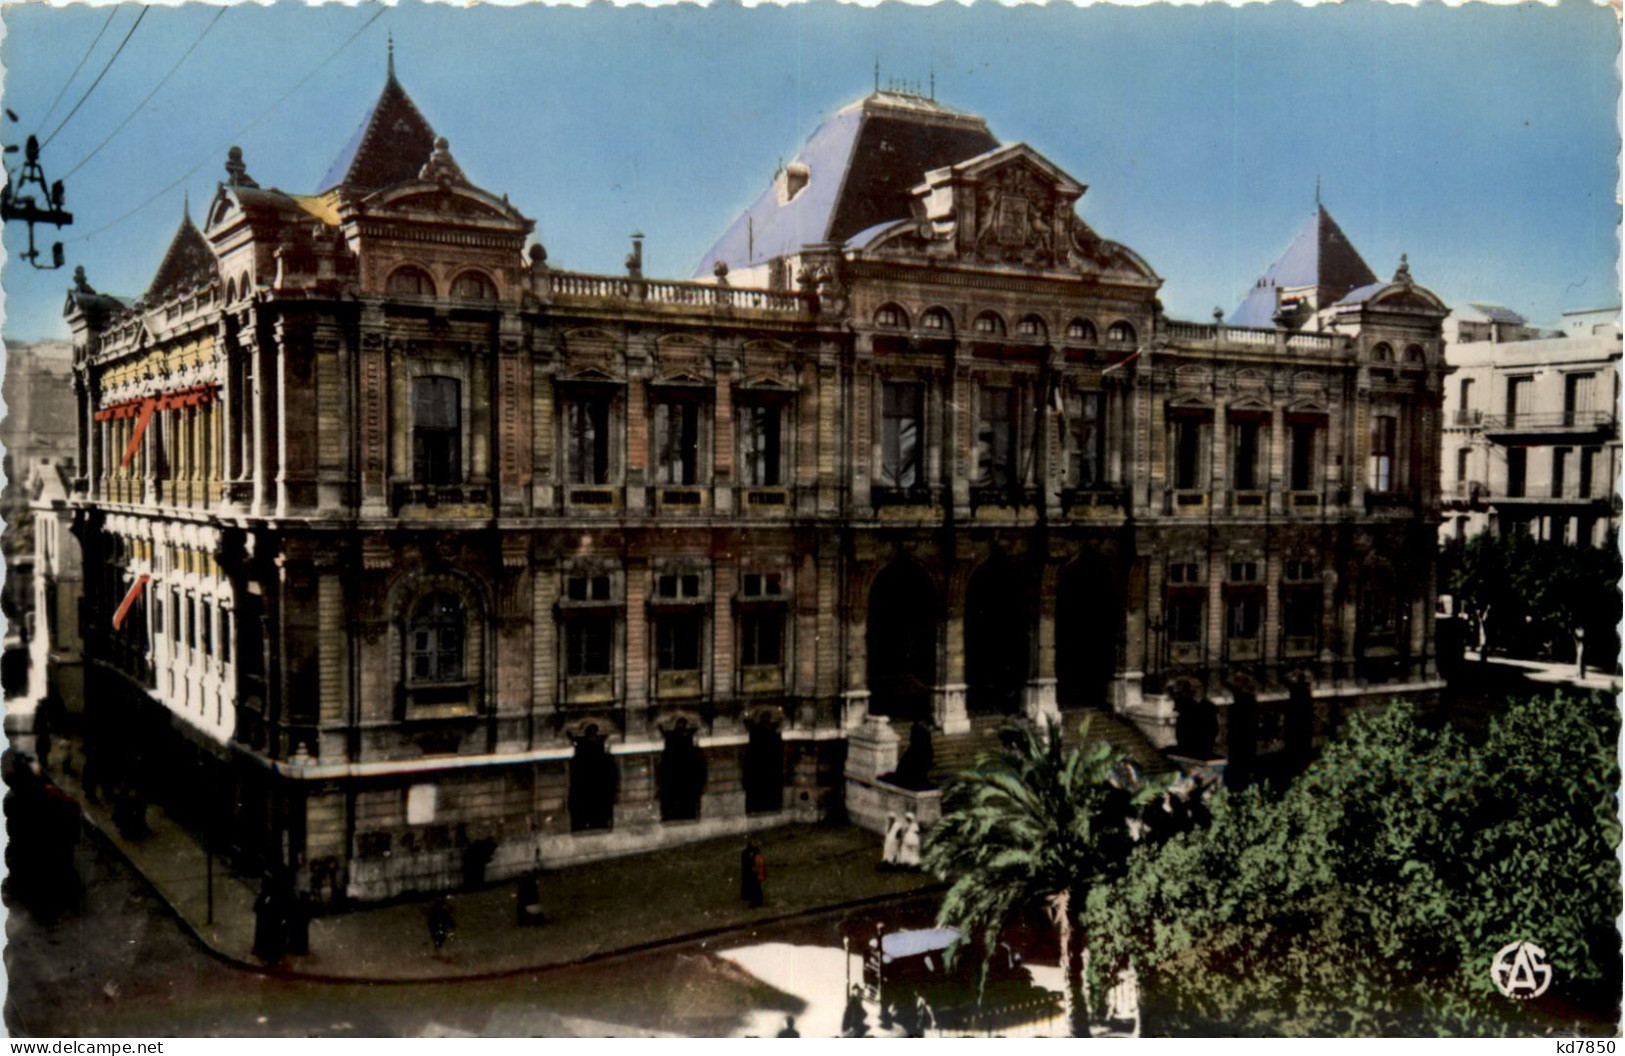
121,964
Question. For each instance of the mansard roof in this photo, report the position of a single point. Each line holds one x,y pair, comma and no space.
1320,257
860,168
392,145
188,261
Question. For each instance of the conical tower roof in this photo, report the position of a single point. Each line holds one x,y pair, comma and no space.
187,261
1320,261
391,146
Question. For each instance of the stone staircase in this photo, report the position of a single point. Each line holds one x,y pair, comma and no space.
955,752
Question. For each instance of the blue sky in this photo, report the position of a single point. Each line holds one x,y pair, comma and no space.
1480,140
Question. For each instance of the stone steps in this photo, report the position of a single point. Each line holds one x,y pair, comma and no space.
955,752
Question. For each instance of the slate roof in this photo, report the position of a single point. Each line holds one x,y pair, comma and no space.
861,165
391,146
187,260
1320,256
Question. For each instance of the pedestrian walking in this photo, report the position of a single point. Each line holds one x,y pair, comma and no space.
894,842
441,924
759,872
908,856
530,900
789,1030
268,924
854,1021
752,874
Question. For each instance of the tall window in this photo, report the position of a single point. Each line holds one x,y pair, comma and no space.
1579,398
437,430
472,286
900,427
677,641
1466,401
996,446
760,426
1300,616
1588,469
435,639
1518,392
586,439
761,620
1246,448
677,442
1184,620
1464,457
1384,439
1187,452
1088,440
1560,469
1305,437
588,640
1517,471
1244,615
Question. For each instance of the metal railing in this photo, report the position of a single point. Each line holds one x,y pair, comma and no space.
577,285
1543,421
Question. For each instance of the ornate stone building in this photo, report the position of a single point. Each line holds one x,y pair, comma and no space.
408,555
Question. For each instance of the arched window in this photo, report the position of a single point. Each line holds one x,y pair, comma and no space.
472,286
411,282
1120,333
435,639
989,323
936,319
1082,330
1414,354
1031,326
1382,352
231,291
891,317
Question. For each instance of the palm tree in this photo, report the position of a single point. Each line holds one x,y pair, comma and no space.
1033,827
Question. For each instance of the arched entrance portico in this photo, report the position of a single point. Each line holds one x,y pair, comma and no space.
998,637
1088,620
902,642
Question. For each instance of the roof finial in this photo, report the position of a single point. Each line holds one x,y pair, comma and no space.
1317,190
186,207
392,54
933,82
877,74
1403,275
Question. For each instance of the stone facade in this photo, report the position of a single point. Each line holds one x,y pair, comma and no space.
411,559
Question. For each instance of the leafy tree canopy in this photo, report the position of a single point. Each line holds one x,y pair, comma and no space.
1371,896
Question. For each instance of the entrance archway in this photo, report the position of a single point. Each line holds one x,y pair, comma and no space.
594,781
902,643
998,637
764,770
1088,620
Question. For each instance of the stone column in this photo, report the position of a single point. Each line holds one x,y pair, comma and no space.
1039,699
514,419
372,440
950,698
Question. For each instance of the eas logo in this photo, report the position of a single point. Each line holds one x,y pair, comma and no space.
1520,971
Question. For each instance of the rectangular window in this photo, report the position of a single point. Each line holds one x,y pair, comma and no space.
1463,456
588,639
677,641
1183,572
996,445
157,613
1560,469
1188,474
225,636
1466,394
437,430
1088,440
1300,616
759,437
1579,398
1244,616
1304,456
677,442
1381,615
587,588
1588,469
1518,392
1384,441
675,587
1517,471
1244,571
763,585
177,618
900,427
207,629
1185,618
1246,446
761,633
191,623
586,440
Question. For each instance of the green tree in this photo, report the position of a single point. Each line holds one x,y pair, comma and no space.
1572,594
1371,895
1035,827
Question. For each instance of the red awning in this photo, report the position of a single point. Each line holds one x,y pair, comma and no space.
147,407
129,601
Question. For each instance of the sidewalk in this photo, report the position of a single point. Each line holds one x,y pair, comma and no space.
1550,673
593,910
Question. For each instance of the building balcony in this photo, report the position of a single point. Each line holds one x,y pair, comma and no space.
1549,424
1389,501
1106,497
1006,496
1466,419
438,496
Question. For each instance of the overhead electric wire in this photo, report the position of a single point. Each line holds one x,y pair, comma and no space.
165,80
238,134
117,52
111,11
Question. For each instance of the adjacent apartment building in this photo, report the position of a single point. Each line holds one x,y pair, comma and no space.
1531,438
406,549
